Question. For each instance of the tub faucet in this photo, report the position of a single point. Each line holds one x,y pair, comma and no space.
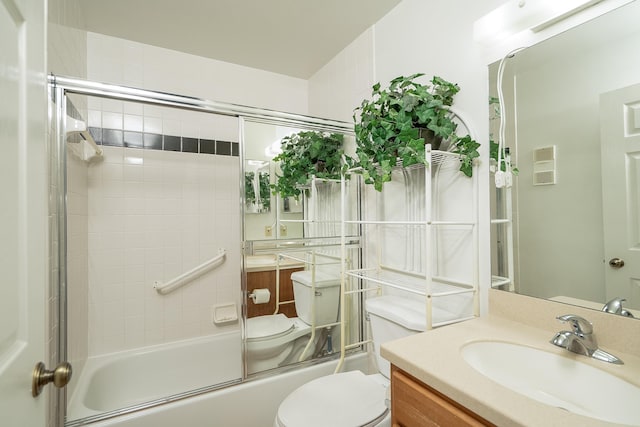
580,339
615,306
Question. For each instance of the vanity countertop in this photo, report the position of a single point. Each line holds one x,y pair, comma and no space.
262,263
434,357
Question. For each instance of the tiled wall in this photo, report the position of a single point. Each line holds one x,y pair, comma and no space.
77,263
152,216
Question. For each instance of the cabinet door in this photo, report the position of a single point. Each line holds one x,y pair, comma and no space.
267,279
414,404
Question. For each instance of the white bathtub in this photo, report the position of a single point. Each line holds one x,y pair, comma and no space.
128,378
119,380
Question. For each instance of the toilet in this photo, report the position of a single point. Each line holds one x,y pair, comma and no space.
353,399
276,339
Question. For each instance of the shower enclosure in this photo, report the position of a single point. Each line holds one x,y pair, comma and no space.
148,195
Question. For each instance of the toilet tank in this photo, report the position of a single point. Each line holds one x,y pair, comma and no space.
326,299
394,317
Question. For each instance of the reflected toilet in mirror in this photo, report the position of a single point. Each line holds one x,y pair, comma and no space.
275,340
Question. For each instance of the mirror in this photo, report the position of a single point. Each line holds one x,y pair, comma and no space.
289,244
572,106
260,223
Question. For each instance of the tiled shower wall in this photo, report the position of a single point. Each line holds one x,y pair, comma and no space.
153,215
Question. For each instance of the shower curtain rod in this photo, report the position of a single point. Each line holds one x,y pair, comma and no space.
85,87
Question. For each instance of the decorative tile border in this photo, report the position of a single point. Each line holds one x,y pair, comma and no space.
155,141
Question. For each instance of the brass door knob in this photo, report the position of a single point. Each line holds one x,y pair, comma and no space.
60,377
616,263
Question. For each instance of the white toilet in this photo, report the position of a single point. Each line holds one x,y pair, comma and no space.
353,399
274,339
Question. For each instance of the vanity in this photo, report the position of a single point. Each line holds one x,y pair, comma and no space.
433,382
414,403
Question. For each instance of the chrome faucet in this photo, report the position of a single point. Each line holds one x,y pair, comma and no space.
580,339
615,306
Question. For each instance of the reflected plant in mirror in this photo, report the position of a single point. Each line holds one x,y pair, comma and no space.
294,247
306,154
568,229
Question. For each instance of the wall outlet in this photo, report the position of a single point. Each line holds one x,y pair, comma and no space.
268,231
283,230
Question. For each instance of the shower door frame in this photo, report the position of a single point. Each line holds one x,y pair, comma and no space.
59,88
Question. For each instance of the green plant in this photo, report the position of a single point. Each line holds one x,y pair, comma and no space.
306,154
265,193
397,122
249,193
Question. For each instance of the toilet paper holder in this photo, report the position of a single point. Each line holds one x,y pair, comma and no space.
260,296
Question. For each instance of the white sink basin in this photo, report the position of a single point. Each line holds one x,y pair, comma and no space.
556,380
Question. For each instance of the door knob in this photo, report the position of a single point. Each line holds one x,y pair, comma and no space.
60,377
616,263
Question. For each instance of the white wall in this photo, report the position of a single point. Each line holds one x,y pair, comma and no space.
435,38
119,61
341,85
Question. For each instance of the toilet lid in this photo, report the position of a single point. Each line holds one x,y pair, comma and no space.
348,399
268,326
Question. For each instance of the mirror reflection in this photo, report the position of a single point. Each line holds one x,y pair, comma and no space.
572,106
292,250
257,190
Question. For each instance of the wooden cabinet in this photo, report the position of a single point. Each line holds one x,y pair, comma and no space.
415,404
267,280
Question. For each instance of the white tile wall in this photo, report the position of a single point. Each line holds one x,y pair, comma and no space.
152,216
77,264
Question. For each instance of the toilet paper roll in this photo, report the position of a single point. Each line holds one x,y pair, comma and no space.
260,296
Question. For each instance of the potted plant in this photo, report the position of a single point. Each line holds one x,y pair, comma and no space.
306,154
397,122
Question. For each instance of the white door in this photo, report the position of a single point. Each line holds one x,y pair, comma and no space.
23,209
620,145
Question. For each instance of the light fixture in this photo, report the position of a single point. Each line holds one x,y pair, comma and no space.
556,11
516,16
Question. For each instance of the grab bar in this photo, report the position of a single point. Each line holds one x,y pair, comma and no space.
194,273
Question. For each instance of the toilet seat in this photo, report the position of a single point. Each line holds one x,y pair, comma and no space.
350,399
268,327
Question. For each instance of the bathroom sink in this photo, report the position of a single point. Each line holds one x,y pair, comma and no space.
556,380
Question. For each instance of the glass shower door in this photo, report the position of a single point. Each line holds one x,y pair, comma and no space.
152,253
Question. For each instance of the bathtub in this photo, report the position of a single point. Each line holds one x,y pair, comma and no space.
119,380
124,379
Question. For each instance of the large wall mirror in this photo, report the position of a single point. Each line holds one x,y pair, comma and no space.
292,255
572,106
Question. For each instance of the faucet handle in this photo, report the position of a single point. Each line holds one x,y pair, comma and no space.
579,325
